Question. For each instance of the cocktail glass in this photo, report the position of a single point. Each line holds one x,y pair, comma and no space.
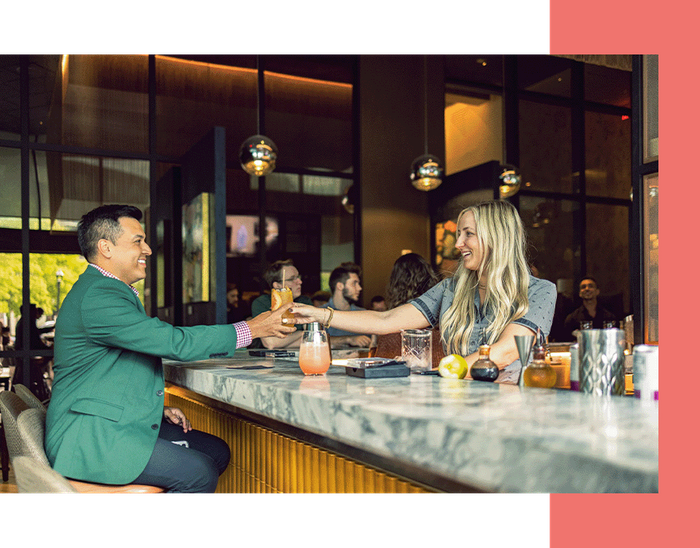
314,352
281,297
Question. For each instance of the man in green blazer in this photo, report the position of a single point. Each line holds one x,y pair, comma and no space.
106,421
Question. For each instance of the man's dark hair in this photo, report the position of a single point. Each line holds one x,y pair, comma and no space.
342,273
588,278
377,299
274,271
102,223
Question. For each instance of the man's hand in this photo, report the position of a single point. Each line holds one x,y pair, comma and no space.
175,416
269,324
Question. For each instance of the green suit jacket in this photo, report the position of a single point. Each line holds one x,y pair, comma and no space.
107,398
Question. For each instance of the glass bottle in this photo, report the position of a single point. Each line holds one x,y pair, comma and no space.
314,352
539,372
484,369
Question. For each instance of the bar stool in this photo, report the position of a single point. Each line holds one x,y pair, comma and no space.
24,428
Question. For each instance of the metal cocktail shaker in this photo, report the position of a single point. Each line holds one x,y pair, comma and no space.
602,361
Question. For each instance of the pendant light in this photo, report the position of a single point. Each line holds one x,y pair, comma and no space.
510,177
510,181
426,170
258,154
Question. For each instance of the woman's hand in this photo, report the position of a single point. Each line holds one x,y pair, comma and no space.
269,324
306,313
175,416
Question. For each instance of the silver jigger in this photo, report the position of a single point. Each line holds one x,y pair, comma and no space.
524,344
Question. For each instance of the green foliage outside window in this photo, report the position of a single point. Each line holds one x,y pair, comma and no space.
43,287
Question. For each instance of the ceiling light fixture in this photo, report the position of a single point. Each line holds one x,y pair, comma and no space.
510,181
509,178
426,170
258,154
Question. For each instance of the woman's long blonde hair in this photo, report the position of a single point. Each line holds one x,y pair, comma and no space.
502,237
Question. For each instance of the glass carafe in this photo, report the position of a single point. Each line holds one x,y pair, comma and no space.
314,352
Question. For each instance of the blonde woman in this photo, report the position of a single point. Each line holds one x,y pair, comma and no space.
491,297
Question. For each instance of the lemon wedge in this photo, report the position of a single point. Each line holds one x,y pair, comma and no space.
453,367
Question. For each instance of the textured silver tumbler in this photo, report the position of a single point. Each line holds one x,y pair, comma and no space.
602,361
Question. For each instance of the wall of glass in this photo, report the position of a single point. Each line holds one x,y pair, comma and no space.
78,131
569,128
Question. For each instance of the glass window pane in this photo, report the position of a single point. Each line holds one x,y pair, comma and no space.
607,85
607,254
39,203
77,183
101,102
550,229
281,182
10,237
651,258
52,277
9,97
651,108
608,155
554,251
10,188
325,186
545,147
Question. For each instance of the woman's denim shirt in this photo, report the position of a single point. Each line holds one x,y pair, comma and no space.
542,296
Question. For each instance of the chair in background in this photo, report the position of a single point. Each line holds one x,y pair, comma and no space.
25,437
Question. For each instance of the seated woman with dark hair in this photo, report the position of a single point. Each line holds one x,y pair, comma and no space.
410,277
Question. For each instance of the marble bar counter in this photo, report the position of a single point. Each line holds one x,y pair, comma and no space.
453,435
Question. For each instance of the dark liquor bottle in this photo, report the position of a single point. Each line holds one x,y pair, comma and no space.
484,369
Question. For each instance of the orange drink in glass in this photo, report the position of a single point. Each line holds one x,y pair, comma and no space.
281,297
314,352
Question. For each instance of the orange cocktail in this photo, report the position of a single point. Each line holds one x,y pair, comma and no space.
314,352
314,357
281,297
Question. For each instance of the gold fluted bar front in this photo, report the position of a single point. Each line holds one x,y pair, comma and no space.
266,461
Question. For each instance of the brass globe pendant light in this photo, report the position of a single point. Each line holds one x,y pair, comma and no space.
258,154
426,170
510,180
